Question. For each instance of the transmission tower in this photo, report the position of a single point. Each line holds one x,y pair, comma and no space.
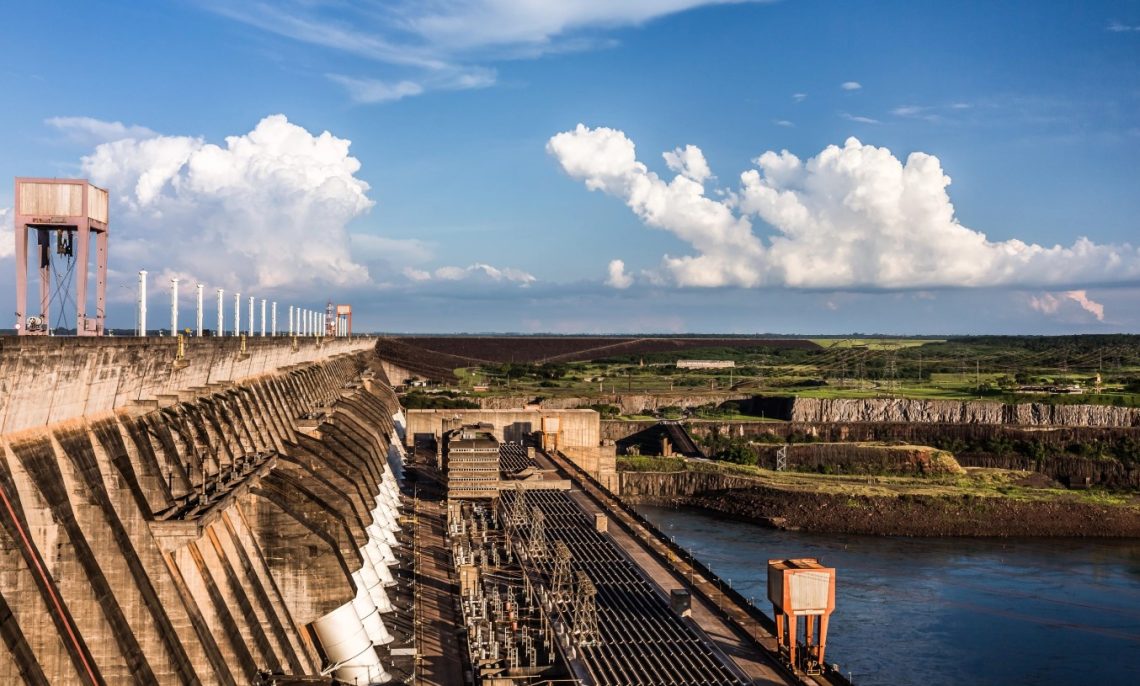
782,459
891,371
536,545
517,515
585,611
560,581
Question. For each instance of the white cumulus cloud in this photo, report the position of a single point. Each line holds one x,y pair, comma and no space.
266,210
1051,303
414,274
852,217
7,237
688,161
1046,303
851,85
1087,304
475,272
618,278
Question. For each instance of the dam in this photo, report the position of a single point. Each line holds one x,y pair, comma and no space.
263,510
215,512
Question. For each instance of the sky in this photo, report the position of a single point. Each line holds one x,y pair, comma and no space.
598,166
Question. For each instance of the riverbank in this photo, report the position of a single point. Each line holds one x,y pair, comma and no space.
964,515
983,502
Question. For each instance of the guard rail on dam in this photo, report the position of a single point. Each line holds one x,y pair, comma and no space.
199,518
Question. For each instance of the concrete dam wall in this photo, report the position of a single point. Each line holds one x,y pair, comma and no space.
49,380
194,520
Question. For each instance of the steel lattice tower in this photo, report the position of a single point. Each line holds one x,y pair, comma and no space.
536,546
561,583
518,513
585,610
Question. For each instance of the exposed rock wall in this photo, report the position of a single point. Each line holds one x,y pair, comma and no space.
983,441
855,410
630,403
909,410
851,458
114,567
637,486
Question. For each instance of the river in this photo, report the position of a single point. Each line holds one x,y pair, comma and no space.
931,611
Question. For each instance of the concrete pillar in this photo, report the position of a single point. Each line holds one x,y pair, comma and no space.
273,320
198,287
263,302
174,307
251,316
221,330
142,303
237,314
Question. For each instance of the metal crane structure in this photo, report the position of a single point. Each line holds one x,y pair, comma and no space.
64,213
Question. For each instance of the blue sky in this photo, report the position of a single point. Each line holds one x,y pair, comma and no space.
460,213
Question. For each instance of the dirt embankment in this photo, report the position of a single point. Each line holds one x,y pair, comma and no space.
914,515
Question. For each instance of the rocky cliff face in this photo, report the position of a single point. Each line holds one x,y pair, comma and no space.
909,410
630,403
657,486
856,410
